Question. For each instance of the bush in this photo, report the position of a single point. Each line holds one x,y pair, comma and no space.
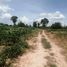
56,25
2,59
17,49
13,52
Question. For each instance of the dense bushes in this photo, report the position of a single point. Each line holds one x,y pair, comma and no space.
12,52
13,38
56,25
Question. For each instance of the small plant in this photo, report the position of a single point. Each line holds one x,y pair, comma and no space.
52,65
46,44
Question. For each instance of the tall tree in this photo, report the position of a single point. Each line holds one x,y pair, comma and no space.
35,24
44,22
14,19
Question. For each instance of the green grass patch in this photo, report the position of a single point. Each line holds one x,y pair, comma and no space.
52,65
46,44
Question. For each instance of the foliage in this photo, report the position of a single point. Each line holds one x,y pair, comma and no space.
44,22
35,24
14,19
56,25
14,41
20,24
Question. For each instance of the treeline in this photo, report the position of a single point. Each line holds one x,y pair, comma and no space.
42,24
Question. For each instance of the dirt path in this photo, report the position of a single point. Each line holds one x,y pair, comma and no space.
39,57
57,58
35,58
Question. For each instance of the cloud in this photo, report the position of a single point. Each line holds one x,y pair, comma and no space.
56,15
5,8
53,17
6,15
24,19
5,11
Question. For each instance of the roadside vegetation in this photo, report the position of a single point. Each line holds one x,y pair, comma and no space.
13,41
13,38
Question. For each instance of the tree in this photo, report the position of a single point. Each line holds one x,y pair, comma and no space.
56,25
44,22
14,19
21,24
38,25
35,24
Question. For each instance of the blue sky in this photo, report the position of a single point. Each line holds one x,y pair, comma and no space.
29,10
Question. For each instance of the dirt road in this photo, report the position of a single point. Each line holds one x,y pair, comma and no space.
40,57
35,58
57,58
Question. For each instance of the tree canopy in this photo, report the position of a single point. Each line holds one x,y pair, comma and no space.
56,25
14,19
44,22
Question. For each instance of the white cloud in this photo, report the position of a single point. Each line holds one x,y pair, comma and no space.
53,17
5,8
5,11
24,19
6,15
56,15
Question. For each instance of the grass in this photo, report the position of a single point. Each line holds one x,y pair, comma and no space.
46,44
52,65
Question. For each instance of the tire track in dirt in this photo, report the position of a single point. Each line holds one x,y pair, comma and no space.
56,58
36,58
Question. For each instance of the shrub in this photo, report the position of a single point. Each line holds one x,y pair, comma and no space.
2,60
56,25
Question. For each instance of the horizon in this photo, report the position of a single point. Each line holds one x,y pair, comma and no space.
29,10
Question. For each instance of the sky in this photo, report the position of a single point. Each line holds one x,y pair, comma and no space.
33,10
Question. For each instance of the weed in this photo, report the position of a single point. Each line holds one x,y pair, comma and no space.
46,44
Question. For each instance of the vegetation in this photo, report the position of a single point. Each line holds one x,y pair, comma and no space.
46,44
52,65
13,40
20,24
35,24
44,22
14,19
56,25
